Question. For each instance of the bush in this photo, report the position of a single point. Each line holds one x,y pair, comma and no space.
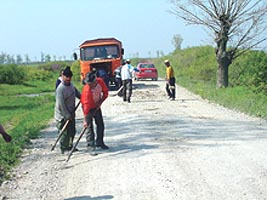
11,74
34,74
75,68
53,66
45,71
196,63
250,70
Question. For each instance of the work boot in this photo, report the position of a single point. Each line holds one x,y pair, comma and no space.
70,148
102,146
90,148
62,150
75,149
91,145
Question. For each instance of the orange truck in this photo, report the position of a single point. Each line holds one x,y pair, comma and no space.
102,54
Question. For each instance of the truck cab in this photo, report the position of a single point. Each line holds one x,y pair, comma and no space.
103,55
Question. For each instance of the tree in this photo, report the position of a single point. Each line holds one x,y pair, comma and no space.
19,59
47,58
27,58
3,58
177,41
42,57
10,59
237,26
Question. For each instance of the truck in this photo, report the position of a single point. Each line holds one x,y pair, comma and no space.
103,55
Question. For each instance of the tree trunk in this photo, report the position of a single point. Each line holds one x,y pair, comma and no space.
222,75
224,59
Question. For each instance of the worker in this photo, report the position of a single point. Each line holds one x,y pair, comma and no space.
65,109
94,93
127,82
170,80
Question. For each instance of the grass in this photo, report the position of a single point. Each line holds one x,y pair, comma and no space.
23,118
237,98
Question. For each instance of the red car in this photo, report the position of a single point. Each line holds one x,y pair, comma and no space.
146,71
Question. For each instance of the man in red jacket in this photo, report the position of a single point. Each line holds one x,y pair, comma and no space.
94,93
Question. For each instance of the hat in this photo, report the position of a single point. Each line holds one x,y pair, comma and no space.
166,61
67,72
94,70
90,77
128,60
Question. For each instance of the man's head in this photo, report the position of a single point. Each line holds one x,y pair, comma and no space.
67,75
167,63
90,79
128,61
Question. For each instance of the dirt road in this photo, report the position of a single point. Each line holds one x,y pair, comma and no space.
188,149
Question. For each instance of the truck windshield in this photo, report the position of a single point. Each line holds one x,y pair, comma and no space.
99,52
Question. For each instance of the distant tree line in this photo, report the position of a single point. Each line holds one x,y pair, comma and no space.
25,59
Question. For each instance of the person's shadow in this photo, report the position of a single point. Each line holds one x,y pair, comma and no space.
104,197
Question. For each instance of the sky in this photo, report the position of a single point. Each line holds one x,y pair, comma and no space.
58,27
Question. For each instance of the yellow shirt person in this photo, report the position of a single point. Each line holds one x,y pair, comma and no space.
169,72
170,78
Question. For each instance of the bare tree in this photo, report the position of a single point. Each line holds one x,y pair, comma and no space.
237,26
177,41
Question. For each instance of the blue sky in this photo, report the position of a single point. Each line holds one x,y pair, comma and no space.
57,27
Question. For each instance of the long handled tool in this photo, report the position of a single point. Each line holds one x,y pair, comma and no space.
63,128
117,92
76,144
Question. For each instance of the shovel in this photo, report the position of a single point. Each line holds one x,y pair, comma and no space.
117,92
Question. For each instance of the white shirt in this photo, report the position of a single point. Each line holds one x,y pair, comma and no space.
126,72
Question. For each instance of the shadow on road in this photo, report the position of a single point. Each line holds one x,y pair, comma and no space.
183,130
144,86
91,198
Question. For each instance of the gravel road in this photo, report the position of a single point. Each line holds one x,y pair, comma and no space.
188,149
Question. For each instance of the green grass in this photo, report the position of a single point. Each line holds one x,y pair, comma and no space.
238,98
27,88
23,118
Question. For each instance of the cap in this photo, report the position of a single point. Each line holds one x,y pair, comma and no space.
94,70
90,77
128,60
166,61
67,72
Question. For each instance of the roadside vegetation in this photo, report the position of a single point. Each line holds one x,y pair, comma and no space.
196,67
26,106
